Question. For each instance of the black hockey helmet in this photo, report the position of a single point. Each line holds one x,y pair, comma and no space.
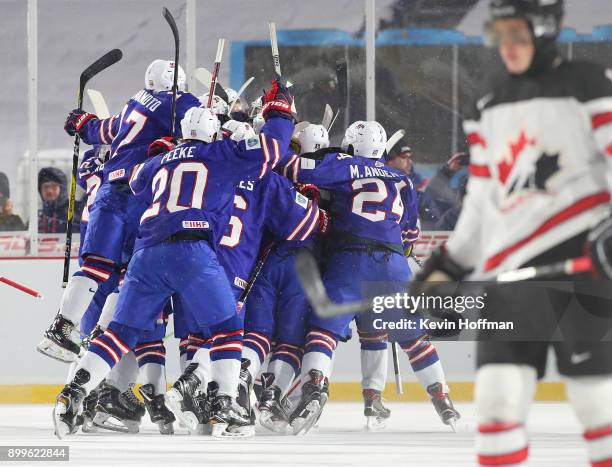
544,16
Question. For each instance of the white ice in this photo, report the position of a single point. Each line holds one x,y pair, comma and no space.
414,437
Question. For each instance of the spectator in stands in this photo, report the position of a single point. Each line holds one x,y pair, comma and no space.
447,189
8,221
52,187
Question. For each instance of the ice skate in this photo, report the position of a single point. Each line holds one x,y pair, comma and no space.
57,342
271,412
116,411
68,404
156,407
245,388
375,412
86,417
179,399
443,405
309,408
228,419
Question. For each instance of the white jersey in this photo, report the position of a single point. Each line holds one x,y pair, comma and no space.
540,167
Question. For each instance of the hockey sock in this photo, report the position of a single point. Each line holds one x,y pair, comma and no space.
71,371
77,297
256,348
425,362
204,370
374,368
591,397
183,344
97,268
151,358
196,342
108,310
503,393
225,354
116,341
125,373
285,363
97,367
284,374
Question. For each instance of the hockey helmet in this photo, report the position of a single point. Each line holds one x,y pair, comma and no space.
201,124
160,76
366,139
312,138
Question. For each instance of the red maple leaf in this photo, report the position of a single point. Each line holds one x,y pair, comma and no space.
505,167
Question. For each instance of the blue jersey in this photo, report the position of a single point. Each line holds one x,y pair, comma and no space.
271,204
191,188
146,117
89,177
369,199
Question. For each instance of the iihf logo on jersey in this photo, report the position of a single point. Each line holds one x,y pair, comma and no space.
525,169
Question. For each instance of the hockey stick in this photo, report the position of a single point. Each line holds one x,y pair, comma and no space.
275,54
254,275
172,23
240,91
215,73
328,116
21,287
92,70
204,77
98,102
396,368
310,278
342,79
395,137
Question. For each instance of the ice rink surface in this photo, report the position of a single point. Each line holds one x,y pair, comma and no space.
414,437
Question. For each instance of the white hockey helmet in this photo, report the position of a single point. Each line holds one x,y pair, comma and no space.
368,139
218,105
312,138
232,94
201,124
160,76
238,131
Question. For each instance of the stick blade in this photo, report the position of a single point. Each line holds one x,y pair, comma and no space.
391,142
98,103
106,60
171,21
328,116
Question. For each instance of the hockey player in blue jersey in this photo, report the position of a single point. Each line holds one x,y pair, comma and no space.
189,191
270,204
277,310
372,205
114,215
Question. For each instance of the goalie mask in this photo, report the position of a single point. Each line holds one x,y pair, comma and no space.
366,139
160,76
201,124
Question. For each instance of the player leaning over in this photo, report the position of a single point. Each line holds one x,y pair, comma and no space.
114,215
539,192
189,191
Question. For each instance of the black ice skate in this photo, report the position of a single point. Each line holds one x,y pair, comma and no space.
179,399
86,417
309,409
271,412
58,343
159,413
443,405
118,412
227,419
245,388
375,412
68,403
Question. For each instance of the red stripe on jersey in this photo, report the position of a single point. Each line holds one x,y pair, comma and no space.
264,146
601,119
497,427
578,207
598,433
504,459
475,139
480,170
602,463
293,234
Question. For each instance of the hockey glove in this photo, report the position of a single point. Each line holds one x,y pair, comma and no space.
76,120
324,222
440,267
160,146
310,191
278,102
599,246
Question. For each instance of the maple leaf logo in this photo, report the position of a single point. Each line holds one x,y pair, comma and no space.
505,166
